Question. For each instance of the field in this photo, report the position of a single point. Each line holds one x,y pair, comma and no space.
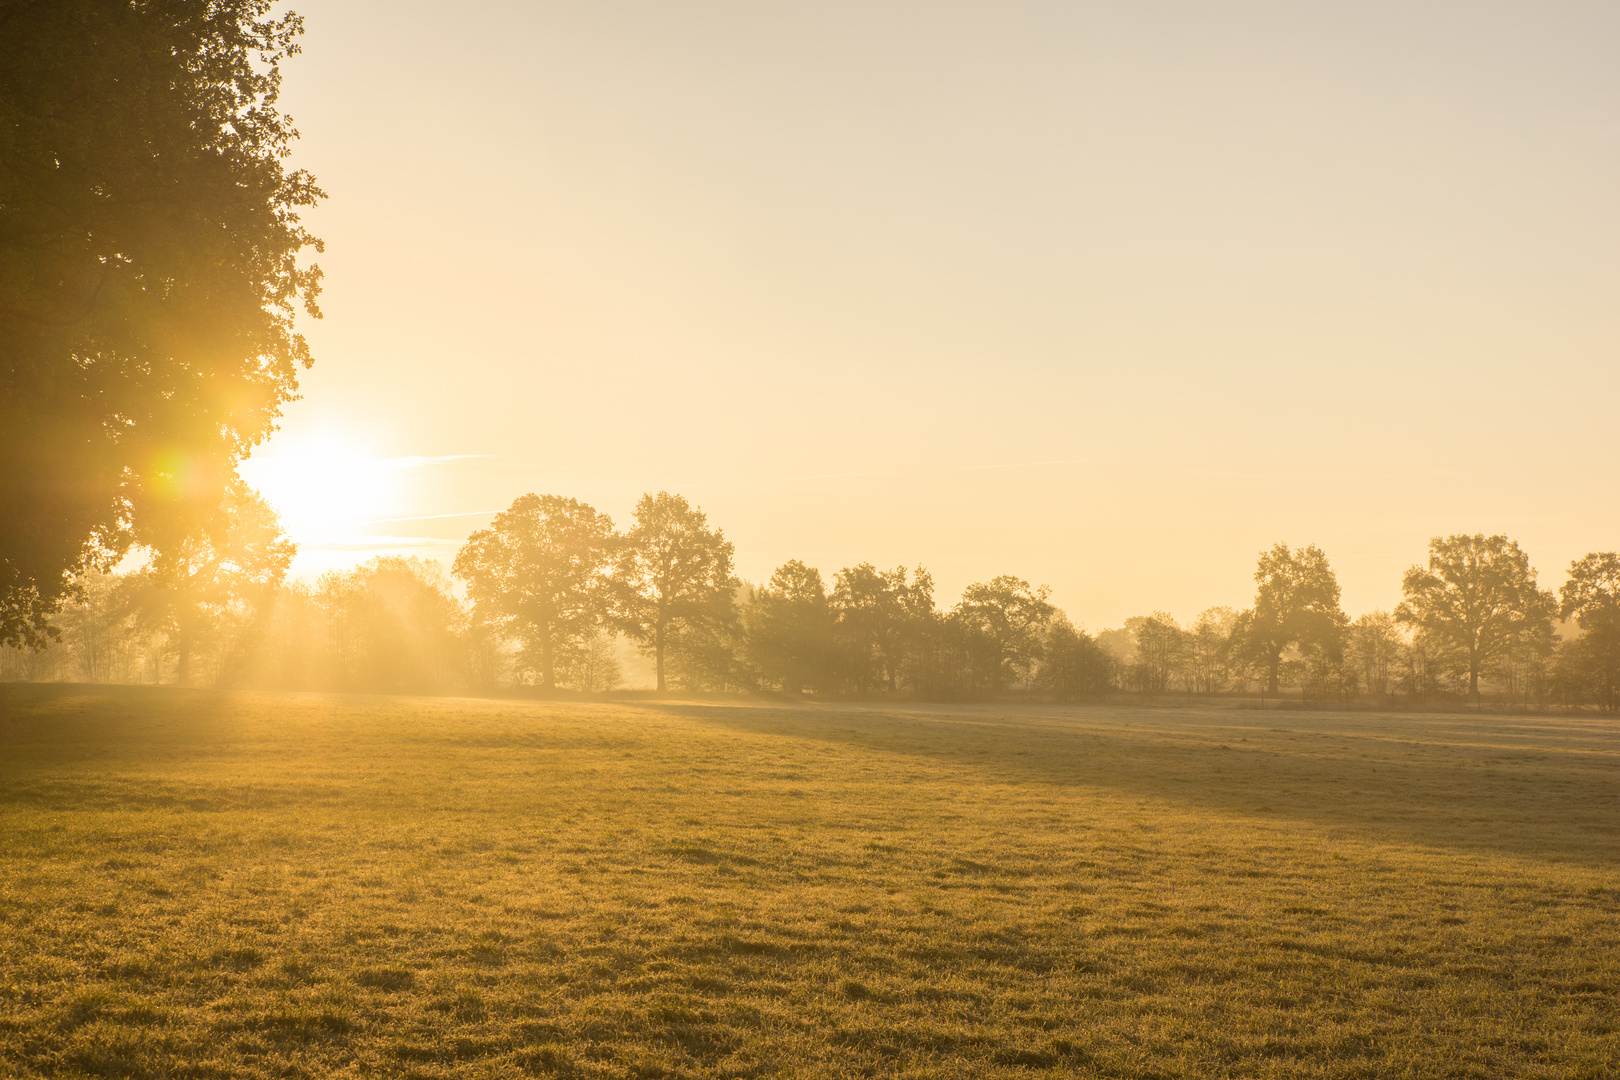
211,885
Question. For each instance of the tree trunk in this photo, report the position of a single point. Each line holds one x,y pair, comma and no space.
182,671
548,662
1274,682
658,656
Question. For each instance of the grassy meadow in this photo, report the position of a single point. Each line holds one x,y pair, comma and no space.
199,884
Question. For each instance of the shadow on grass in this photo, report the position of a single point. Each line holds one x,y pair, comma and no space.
1529,786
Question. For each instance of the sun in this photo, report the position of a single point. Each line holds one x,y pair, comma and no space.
324,485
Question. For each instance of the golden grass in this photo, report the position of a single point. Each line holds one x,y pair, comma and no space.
211,885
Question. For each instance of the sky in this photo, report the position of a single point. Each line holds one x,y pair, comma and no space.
1107,296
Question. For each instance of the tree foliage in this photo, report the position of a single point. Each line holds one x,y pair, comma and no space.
198,579
1073,666
790,629
1296,604
539,573
674,574
880,619
1474,602
1010,618
1591,597
149,276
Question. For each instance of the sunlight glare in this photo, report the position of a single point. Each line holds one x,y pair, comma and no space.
324,486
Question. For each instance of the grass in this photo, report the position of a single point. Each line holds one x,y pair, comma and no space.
212,885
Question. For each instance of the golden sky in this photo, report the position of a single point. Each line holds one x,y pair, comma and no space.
1107,296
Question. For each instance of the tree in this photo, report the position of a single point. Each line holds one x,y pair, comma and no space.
391,625
1591,597
1161,650
1296,604
1010,617
879,621
195,581
1475,601
673,571
790,632
149,275
539,573
1373,646
1209,646
1073,666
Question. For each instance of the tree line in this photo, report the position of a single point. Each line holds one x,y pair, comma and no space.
551,590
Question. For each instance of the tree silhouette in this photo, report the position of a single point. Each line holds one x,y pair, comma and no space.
1010,617
1296,604
197,576
1162,650
1209,647
1591,596
539,573
149,275
790,629
672,569
1373,645
1475,601
879,620
1073,666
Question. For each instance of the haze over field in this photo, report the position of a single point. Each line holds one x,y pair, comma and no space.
1111,296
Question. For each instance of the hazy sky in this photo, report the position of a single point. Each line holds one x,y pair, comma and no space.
1107,296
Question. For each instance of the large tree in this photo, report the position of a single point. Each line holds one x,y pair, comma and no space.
1591,596
1073,666
879,620
149,275
196,580
1475,601
1296,604
790,629
539,573
1011,618
1373,647
1163,649
674,573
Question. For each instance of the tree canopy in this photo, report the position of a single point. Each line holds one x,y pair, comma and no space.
197,579
539,573
1296,603
1591,597
1475,600
673,570
149,275
1011,618
791,628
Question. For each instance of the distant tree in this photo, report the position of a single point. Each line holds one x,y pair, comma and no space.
1373,648
1209,648
1073,666
1120,644
149,275
1591,597
674,573
1161,651
1419,669
97,628
880,620
1010,617
709,650
195,580
594,667
539,573
1296,604
391,626
790,633
1476,600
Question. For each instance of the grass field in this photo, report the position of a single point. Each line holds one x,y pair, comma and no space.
211,885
